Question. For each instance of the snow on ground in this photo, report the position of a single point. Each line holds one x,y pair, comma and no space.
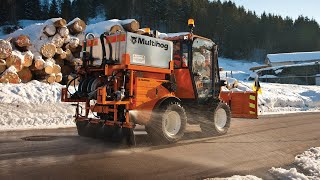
275,98
305,167
33,105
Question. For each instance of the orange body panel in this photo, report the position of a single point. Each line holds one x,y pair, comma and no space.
147,93
184,84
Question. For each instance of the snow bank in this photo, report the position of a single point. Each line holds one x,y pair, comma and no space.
33,105
238,69
170,35
308,163
288,174
307,167
282,98
275,98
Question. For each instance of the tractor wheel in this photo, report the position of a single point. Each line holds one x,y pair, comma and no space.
168,123
81,125
218,121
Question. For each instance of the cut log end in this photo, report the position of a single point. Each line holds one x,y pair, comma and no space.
51,78
60,23
16,60
58,77
25,75
49,30
39,63
22,41
10,76
114,29
28,59
48,50
3,65
132,26
48,66
77,26
56,69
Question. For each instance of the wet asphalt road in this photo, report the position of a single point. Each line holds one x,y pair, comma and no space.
250,147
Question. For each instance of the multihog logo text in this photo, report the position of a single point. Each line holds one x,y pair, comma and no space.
150,42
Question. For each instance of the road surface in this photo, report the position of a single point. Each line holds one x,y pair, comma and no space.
250,147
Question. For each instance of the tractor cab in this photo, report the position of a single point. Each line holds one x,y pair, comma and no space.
196,67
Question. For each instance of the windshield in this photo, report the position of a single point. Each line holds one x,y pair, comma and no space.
202,65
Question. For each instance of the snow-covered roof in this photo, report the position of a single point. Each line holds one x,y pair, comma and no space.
297,56
171,35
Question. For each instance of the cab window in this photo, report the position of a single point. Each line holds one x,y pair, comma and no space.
177,54
180,55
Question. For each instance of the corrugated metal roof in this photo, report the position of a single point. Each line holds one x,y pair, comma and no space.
297,56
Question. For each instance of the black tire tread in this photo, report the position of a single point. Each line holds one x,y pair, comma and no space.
154,127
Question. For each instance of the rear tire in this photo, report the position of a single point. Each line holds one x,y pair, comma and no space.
167,123
218,121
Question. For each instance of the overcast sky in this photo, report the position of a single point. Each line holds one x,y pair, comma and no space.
291,8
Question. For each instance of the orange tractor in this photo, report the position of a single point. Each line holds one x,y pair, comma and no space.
161,83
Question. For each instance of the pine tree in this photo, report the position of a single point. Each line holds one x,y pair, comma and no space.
53,10
45,9
66,10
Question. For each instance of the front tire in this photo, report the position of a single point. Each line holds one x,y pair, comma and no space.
218,121
167,124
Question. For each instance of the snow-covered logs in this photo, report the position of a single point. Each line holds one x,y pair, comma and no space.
25,75
130,25
5,49
10,76
76,26
16,60
51,51
22,41
3,65
48,50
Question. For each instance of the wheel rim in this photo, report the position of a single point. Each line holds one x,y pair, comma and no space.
220,119
172,123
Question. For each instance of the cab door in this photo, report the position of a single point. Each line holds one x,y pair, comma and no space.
182,69
202,60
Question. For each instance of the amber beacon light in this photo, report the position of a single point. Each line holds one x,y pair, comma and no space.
191,25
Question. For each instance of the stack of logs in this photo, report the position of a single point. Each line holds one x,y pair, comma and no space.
54,56
55,53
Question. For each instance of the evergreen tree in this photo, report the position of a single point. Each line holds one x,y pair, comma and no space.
45,9
53,10
32,9
238,32
66,10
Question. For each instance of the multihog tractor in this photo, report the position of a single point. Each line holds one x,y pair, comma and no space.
162,83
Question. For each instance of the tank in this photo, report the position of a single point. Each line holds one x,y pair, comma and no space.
143,50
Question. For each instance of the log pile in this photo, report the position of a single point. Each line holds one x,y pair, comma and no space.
54,55
45,57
